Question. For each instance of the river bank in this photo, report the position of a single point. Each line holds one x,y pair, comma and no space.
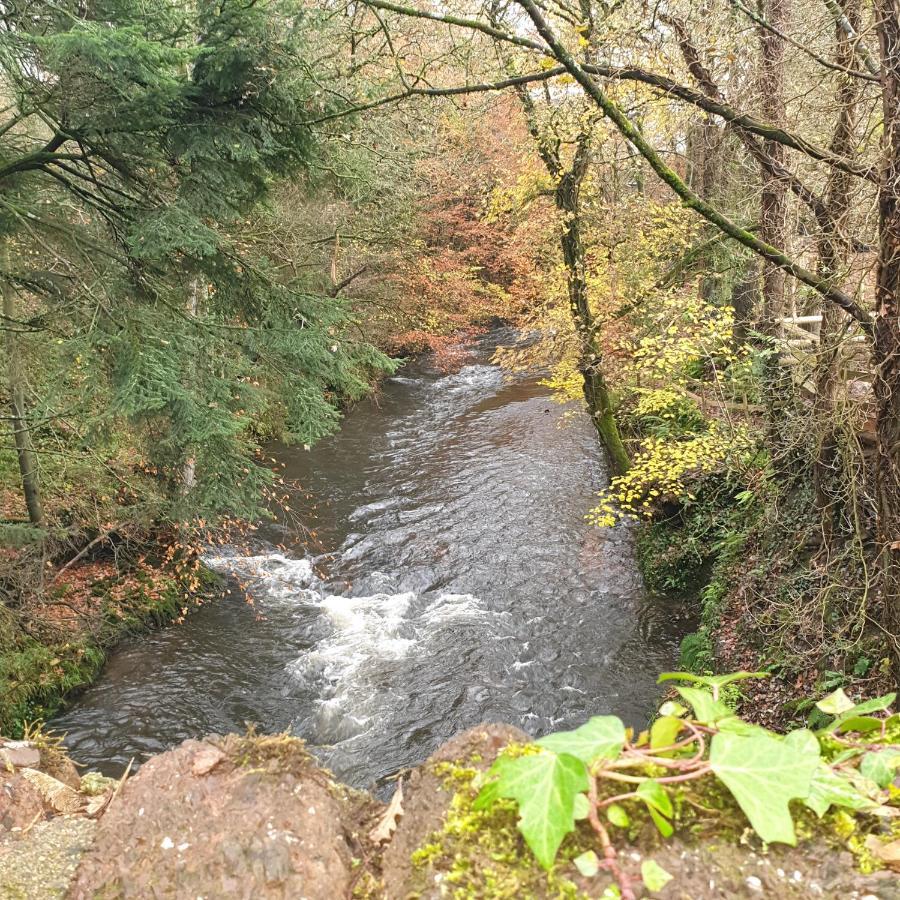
57,645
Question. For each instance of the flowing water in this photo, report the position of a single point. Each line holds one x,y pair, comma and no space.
455,581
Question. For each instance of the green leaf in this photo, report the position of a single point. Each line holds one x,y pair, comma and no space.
659,805
803,741
654,876
664,731
617,815
860,711
830,789
582,808
716,681
588,864
707,711
662,823
835,703
672,708
764,774
880,766
655,795
545,786
860,724
601,736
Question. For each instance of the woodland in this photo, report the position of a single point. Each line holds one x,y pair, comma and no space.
224,222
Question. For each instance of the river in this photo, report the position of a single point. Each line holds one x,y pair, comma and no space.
454,580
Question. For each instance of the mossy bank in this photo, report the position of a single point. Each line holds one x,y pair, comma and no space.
255,816
771,598
54,648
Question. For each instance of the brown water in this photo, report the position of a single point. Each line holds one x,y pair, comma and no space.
459,584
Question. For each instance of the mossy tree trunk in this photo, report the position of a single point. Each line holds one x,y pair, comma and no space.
568,178
596,391
834,250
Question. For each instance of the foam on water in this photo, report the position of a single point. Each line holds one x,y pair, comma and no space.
354,669
281,576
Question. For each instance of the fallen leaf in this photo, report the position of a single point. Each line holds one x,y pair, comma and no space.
386,827
888,853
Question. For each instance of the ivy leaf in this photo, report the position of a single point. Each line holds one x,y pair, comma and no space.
828,789
588,864
671,708
880,766
545,786
654,876
858,711
664,731
860,724
582,808
654,794
618,816
601,736
835,703
764,774
707,711
803,741
659,805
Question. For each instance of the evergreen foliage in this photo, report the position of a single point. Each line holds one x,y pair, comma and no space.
138,139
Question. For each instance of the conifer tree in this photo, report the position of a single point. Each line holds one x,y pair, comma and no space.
136,139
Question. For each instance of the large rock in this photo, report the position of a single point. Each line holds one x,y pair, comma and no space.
239,817
428,794
19,754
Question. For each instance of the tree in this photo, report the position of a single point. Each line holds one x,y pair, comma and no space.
138,138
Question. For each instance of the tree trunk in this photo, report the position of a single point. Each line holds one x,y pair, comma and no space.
834,248
189,467
16,380
596,392
774,200
887,325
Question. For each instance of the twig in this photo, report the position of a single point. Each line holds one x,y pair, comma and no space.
609,852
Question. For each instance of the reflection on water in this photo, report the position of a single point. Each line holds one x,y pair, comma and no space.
460,584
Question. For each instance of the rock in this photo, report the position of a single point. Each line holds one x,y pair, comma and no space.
427,799
206,759
261,821
61,768
21,804
40,865
20,754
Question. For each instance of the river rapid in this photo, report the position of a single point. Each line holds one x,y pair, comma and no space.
453,581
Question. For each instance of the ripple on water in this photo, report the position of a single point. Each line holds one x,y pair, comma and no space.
461,584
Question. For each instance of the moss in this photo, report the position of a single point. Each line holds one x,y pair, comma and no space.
275,752
480,853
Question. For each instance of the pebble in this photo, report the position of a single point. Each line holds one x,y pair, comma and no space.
754,883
